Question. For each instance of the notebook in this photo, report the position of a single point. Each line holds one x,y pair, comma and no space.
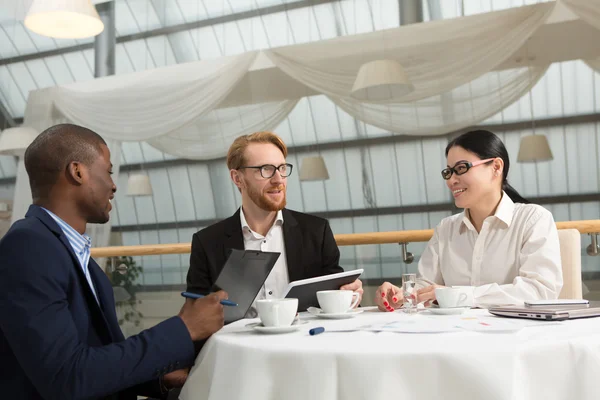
242,277
553,313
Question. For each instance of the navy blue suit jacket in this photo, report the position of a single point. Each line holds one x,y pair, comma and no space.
56,341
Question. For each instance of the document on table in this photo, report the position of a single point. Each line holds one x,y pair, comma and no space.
420,323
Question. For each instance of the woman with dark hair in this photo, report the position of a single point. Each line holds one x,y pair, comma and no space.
504,247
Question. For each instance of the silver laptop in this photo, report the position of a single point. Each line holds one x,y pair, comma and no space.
549,313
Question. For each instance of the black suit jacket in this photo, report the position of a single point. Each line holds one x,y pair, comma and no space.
56,340
309,245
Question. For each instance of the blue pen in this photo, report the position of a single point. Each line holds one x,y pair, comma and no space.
191,295
316,331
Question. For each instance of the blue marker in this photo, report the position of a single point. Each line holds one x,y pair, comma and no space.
316,331
191,295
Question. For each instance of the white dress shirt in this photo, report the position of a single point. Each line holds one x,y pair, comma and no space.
515,257
278,279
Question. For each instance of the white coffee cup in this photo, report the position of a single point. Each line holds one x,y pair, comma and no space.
277,312
469,291
448,297
337,301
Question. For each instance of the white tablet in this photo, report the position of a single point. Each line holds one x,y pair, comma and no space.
306,290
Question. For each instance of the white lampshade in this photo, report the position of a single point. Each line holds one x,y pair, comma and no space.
139,185
64,19
313,169
381,80
14,141
534,148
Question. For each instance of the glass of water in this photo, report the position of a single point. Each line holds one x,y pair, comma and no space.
409,282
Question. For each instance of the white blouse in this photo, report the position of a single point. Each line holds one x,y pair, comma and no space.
515,257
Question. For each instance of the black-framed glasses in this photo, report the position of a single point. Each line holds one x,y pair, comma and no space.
462,168
267,171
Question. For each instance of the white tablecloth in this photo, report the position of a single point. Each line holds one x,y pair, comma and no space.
560,361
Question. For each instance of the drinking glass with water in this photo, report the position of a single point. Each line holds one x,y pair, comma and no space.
409,282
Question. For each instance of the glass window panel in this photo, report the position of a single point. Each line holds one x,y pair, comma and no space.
7,47
144,206
223,190
437,190
192,10
79,66
385,178
314,196
40,73
60,70
183,47
139,56
229,36
123,204
409,158
354,163
336,188
205,40
12,95
144,15
582,156
202,191
324,119
253,33
181,192
162,195
278,29
161,52
23,78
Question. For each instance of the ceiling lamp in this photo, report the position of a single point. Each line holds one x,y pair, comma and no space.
139,185
64,19
534,148
14,141
381,80
313,169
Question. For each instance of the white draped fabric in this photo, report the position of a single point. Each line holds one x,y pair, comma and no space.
211,135
144,105
461,69
455,81
587,10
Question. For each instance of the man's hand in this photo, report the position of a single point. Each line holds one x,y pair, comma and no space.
204,316
355,286
176,379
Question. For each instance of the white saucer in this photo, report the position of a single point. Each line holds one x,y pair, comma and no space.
317,312
258,326
448,311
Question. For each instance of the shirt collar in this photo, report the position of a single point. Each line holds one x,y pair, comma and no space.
246,227
504,212
78,241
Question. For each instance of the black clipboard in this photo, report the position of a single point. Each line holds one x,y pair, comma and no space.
242,277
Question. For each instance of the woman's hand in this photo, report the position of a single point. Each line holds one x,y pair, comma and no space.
427,295
388,297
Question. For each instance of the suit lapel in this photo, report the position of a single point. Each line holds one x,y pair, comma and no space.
233,234
46,219
292,238
106,299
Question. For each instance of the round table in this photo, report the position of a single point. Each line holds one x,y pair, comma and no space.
548,361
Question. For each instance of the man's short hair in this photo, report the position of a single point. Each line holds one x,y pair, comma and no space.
54,149
235,156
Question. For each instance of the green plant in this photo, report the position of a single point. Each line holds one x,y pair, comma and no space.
126,278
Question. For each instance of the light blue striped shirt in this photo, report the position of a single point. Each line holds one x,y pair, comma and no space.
81,245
